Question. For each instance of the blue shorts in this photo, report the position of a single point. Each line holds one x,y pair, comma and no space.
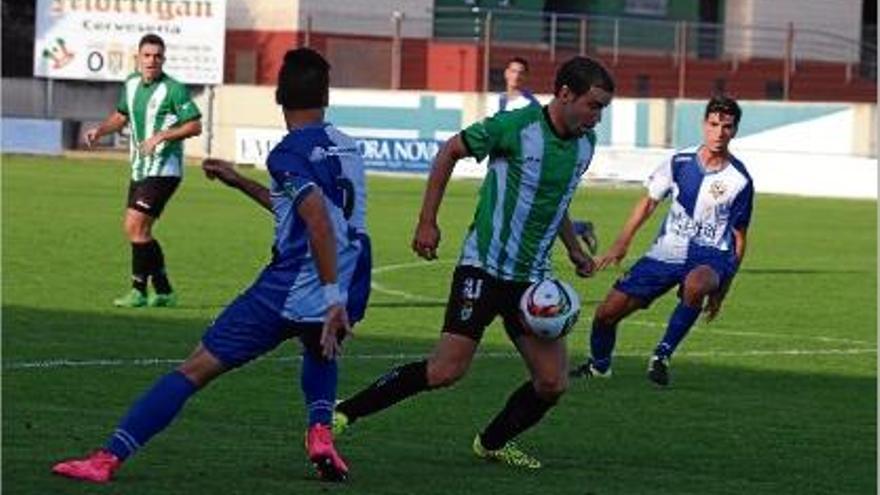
649,278
253,325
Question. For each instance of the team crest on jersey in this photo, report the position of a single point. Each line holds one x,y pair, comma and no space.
318,154
717,189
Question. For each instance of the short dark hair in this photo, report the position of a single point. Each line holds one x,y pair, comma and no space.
151,39
582,73
518,60
724,105
303,80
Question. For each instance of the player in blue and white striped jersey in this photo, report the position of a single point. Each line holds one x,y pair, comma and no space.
699,248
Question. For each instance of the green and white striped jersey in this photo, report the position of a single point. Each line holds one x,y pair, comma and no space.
532,176
150,108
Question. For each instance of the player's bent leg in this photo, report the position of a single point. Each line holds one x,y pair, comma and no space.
137,226
318,380
547,362
449,361
548,365
202,366
148,259
698,283
603,334
149,415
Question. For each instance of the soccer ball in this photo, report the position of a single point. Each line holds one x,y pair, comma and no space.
550,308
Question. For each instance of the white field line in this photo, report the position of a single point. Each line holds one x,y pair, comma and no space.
376,286
762,335
141,362
145,362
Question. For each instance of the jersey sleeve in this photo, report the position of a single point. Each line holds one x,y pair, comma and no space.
293,175
741,211
183,105
659,183
122,102
485,137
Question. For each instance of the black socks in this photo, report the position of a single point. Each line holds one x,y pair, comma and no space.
148,261
398,384
524,409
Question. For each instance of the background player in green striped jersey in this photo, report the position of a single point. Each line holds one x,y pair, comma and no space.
160,115
536,159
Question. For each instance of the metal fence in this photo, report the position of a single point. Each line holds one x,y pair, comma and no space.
382,50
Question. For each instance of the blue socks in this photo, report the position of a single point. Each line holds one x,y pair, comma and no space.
318,381
151,414
681,321
602,341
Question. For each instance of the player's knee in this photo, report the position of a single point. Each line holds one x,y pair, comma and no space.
605,316
699,283
201,370
550,388
311,342
444,373
136,231
693,297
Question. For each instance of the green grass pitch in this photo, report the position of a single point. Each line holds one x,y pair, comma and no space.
778,396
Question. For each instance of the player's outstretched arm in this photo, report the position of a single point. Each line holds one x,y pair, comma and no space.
322,242
617,252
427,234
225,172
113,123
584,266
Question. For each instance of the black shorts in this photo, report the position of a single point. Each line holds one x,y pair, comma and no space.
476,298
149,196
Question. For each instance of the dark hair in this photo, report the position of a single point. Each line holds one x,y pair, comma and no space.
303,80
724,105
151,39
582,73
518,60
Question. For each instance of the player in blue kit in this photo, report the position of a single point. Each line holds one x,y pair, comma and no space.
316,285
699,248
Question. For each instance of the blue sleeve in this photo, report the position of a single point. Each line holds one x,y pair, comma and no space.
741,212
531,98
294,176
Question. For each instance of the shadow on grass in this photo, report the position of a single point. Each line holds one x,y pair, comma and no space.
726,425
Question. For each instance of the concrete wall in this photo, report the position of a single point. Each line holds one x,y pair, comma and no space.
371,18
265,15
841,19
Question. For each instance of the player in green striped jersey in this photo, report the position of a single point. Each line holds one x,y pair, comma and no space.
160,115
536,159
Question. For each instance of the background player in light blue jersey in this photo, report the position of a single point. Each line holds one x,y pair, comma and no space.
699,248
315,286
516,95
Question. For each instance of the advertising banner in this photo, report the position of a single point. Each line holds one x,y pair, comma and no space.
252,145
98,39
